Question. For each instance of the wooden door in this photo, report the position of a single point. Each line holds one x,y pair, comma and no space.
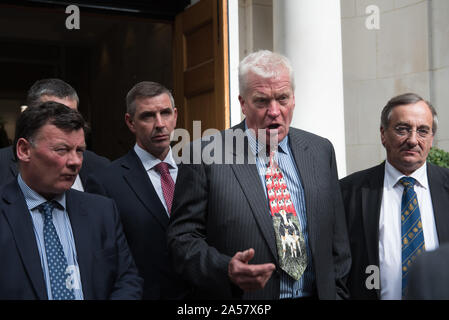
201,77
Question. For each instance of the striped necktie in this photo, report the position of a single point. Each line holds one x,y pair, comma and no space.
167,184
412,239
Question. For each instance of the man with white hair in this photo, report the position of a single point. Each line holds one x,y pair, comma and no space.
225,233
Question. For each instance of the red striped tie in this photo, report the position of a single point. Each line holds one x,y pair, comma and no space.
167,183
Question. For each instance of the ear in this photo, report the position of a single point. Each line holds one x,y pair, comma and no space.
175,115
242,104
130,123
382,135
23,150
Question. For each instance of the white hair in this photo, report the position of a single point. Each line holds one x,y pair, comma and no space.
266,64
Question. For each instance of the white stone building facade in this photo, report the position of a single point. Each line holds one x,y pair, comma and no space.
388,47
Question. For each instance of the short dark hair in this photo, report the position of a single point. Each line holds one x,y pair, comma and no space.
406,99
57,114
145,89
50,87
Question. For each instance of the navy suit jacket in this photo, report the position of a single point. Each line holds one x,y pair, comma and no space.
9,170
107,268
144,221
428,278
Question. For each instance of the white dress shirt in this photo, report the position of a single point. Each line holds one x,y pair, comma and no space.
390,254
149,162
77,185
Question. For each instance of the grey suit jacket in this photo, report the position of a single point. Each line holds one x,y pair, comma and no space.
220,209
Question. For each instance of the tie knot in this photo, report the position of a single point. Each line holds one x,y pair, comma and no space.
407,182
162,168
46,209
272,159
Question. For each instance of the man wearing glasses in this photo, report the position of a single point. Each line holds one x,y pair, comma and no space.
398,209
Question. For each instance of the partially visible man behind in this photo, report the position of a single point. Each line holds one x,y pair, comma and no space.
429,279
398,209
142,185
58,91
272,228
58,243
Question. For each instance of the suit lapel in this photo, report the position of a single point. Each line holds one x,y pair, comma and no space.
307,173
248,178
138,180
21,224
81,230
246,173
439,190
372,191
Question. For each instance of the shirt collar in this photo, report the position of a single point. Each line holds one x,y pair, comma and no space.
149,161
34,199
258,146
393,176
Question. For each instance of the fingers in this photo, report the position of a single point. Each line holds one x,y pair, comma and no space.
249,276
245,256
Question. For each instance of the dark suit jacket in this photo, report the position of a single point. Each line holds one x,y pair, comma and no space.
429,278
220,209
144,221
106,266
9,170
362,197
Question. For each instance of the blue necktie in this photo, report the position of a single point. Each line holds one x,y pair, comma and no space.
412,239
57,263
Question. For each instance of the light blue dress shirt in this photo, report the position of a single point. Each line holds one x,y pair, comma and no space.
290,288
61,222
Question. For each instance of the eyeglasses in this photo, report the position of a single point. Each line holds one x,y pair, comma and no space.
403,131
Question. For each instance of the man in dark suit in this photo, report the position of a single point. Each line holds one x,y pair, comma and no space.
429,279
225,231
373,200
58,243
141,189
58,91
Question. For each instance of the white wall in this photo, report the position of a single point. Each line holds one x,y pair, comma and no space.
410,52
439,23
379,64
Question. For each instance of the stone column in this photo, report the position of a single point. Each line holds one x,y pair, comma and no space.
309,34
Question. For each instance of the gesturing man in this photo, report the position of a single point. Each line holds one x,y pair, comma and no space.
228,229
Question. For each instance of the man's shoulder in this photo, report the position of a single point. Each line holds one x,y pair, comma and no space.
93,158
87,198
6,153
361,177
308,136
437,170
112,170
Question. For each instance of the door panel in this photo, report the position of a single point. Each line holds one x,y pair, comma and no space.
201,79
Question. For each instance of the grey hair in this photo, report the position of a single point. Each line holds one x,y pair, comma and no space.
266,64
50,87
405,99
145,89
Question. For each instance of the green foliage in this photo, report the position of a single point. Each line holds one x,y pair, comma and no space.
438,157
